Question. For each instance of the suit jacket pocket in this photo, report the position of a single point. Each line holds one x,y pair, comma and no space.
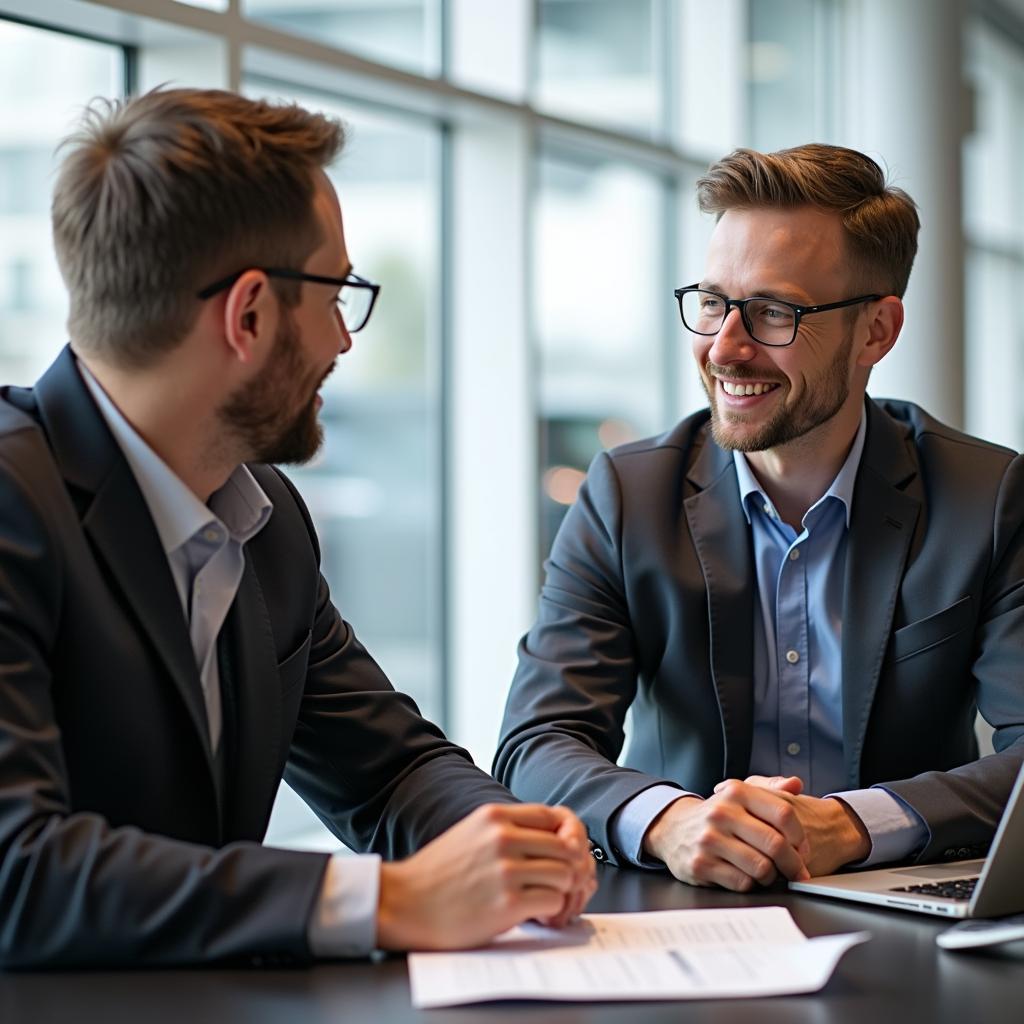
935,629
292,670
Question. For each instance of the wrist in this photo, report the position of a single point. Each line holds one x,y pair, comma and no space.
394,912
855,838
657,839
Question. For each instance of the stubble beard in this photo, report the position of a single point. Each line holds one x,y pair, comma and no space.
256,413
821,400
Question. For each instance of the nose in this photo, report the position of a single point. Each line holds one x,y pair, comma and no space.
346,338
732,344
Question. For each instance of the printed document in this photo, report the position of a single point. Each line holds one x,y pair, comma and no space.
665,954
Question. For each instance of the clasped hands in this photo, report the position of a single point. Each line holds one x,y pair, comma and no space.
501,865
755,831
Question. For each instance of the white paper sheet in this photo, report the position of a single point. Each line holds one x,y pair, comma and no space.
669,954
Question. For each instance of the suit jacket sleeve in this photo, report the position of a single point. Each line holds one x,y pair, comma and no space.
77,890
378,774
962,806
564,721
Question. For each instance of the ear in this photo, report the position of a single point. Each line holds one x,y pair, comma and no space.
250,316
885,321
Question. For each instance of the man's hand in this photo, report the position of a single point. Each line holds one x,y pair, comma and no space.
835,833
501,865
741,835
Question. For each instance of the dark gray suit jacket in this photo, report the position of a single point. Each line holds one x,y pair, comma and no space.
648,607
121,839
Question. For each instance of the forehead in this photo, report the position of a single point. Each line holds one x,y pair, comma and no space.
331,252
798,250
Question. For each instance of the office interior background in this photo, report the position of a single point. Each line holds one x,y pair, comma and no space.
519,178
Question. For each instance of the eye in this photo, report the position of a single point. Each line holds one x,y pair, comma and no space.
774,313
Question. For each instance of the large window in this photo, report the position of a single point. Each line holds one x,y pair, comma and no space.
403,32
38,109
599,60
994,218
599,289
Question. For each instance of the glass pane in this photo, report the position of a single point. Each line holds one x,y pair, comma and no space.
784,94
709,44
994,338
39,109
994,148
374,491
402,32
994,226
599,319
596,60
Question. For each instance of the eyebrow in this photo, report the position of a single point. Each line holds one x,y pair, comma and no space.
764,294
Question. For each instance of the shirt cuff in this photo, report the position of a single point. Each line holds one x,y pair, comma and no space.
344,920
895,829
630,823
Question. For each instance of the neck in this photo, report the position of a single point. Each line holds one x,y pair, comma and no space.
172,416
797,474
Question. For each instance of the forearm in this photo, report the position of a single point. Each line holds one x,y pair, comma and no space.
78,893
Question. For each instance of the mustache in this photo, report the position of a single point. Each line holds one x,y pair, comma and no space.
327,373
739,372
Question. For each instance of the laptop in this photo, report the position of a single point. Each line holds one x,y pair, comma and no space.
968,888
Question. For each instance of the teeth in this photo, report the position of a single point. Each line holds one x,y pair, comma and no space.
746,389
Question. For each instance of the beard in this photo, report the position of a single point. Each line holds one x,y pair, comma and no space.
821,400
261,414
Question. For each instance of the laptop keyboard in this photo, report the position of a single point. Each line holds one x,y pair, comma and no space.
954,889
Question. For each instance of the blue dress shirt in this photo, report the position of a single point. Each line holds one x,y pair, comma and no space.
797,683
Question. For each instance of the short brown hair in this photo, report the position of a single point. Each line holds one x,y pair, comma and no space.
880,221
160,195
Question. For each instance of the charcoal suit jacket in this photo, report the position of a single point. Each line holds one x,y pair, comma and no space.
648,607
122,839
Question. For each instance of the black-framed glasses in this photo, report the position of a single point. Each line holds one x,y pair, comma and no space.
768,321
356,295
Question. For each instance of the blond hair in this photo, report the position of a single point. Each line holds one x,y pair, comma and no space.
880,222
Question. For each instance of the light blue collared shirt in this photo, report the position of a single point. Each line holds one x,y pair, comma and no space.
797,637
203,544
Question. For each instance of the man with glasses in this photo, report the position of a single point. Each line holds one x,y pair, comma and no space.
168,648
802,596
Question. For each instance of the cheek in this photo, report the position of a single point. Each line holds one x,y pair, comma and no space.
700,347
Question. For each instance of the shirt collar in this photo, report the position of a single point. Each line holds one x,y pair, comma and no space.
240,505
841,487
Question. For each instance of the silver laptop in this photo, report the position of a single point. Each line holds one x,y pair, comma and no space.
967,888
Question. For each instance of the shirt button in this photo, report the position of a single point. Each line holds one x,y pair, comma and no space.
794,554
792,657
768,511
793,748
212,536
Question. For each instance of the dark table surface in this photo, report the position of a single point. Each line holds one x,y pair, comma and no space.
900,976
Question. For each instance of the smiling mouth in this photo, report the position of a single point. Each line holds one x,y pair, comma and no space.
739,389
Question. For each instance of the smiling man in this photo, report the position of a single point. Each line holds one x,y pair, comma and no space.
801,595
168,647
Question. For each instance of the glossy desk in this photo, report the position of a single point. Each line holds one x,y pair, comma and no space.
899,977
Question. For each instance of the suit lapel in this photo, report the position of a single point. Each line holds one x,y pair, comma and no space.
721,536
882,523
118,522
249,671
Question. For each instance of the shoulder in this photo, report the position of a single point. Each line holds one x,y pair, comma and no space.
651,476
941,449
290,522
26,462
669,453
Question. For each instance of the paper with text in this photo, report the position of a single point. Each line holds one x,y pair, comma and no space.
667,954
